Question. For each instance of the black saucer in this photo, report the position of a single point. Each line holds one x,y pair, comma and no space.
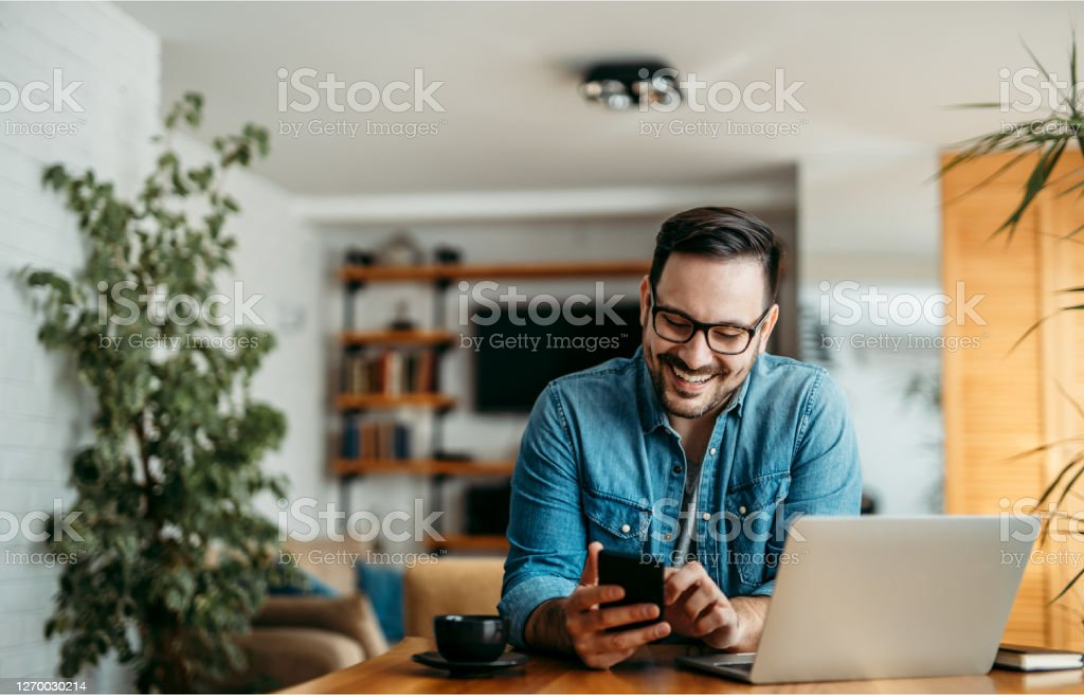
470,669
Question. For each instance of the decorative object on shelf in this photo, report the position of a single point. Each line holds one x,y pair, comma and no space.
452,456
401,250
355,255
402,320
447,255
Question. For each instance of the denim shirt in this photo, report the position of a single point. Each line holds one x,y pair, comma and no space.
599,462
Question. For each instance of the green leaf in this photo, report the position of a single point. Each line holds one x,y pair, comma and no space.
1034,185
1067,587
1031,329
1073,233
989,179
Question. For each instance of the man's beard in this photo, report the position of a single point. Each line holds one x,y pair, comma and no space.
681,404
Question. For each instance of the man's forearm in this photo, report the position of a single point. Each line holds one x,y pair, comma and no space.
546,629
751,612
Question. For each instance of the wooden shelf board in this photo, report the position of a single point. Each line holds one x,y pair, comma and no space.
424,467
492,270
453,541
391,337
347,401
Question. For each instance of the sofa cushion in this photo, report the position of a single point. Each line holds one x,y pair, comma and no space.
349,616
285,656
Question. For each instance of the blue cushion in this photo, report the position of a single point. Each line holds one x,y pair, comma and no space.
311,586
384,587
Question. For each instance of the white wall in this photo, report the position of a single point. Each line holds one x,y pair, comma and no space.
873,217
43,416
870,215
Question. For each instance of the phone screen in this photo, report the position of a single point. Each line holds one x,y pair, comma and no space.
640,577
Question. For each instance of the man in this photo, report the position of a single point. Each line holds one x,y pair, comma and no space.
689,452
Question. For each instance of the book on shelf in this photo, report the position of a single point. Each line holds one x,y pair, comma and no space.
384,441
390,372
351,439
1022,658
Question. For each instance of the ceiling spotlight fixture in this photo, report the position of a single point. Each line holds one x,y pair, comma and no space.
621,86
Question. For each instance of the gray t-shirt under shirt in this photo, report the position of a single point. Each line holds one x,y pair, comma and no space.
685,546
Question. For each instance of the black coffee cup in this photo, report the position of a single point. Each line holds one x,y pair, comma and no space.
472,638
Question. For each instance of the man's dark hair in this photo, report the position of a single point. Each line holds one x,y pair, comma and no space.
720,233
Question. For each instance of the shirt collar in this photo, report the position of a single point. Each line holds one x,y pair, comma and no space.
652,415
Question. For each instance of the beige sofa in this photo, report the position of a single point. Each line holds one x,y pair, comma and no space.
298,638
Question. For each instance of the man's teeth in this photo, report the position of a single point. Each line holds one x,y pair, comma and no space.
686,376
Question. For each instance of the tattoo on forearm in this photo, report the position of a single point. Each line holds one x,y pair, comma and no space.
546,628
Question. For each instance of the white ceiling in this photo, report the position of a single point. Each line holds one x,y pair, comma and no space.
878,76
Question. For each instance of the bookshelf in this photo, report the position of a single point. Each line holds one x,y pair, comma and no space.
422,394
462,542
379,401
447,273
430,338
424,467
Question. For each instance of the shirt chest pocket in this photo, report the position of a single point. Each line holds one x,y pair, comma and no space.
619,524
754,533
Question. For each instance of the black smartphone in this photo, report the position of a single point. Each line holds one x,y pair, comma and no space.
641,578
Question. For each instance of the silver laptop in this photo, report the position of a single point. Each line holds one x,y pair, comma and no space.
880,597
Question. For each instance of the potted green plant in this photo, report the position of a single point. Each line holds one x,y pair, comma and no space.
173,559
1048,140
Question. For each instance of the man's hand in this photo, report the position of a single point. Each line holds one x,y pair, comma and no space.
584,622
696,607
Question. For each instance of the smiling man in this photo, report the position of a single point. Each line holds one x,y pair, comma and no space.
698,451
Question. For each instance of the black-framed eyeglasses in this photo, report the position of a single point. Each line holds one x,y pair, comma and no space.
723,338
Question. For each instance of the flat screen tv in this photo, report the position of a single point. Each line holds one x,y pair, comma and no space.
513,363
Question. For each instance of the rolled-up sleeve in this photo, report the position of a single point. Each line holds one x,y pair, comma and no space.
547,534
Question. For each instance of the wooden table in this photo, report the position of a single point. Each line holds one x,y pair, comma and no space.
652,670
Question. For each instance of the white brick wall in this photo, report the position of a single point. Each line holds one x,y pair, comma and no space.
42,414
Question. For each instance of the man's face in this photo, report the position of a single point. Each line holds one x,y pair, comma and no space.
709,291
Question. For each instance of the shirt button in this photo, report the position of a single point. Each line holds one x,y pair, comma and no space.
677,470
705,516
741,509
666,537
712,451
625,528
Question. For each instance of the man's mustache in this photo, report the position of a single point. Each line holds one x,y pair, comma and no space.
675,361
